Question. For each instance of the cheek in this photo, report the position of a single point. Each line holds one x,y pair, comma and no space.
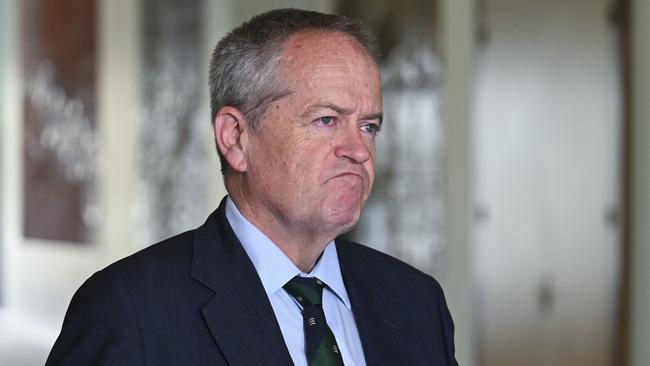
308,156
370,167
370,164
268,164
294,159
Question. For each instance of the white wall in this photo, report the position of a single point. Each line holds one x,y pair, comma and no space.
640,323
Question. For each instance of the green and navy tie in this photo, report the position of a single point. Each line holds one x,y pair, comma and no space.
320,345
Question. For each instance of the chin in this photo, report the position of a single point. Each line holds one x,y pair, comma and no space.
343,218
342,211
346,222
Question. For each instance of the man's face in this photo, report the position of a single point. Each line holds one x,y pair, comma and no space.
310,165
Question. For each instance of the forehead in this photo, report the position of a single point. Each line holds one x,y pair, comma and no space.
317,59
322,41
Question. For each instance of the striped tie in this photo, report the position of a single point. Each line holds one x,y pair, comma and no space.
320,344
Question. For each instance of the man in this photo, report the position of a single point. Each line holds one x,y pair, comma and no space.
296,107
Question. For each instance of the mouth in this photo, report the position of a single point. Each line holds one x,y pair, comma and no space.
345,174
348,176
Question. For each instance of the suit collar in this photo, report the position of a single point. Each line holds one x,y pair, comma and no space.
371,308
239,315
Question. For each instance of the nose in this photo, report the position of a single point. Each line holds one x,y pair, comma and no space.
352,146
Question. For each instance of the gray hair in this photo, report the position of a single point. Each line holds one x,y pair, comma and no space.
244,66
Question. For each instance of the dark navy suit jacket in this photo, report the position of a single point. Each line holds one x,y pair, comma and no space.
196,299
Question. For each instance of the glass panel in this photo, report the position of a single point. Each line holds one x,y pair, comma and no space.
60,143
173,181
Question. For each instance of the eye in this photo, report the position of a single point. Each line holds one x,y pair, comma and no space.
326,121
371,128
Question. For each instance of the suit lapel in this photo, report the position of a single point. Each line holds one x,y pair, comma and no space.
239,315
377,329
241,319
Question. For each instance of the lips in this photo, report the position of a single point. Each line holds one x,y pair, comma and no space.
349,175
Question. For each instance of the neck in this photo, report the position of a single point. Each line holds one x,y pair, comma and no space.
302,247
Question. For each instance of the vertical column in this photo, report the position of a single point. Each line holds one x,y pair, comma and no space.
118,121
457,278
10,136
640,251
6,33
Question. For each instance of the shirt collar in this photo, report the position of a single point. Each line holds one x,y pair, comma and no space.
327,269
274,267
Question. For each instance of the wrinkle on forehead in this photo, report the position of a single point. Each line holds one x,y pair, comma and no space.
326,39
331,67
313,47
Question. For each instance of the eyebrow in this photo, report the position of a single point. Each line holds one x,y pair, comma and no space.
340,110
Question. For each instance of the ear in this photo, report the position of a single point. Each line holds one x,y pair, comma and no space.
230,134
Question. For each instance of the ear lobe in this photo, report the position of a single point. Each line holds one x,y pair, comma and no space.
229,134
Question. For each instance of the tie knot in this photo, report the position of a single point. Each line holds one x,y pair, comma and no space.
308,291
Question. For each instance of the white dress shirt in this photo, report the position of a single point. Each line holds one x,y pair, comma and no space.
276,269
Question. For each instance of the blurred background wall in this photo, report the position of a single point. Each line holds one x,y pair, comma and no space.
639,318
548,124
514,155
